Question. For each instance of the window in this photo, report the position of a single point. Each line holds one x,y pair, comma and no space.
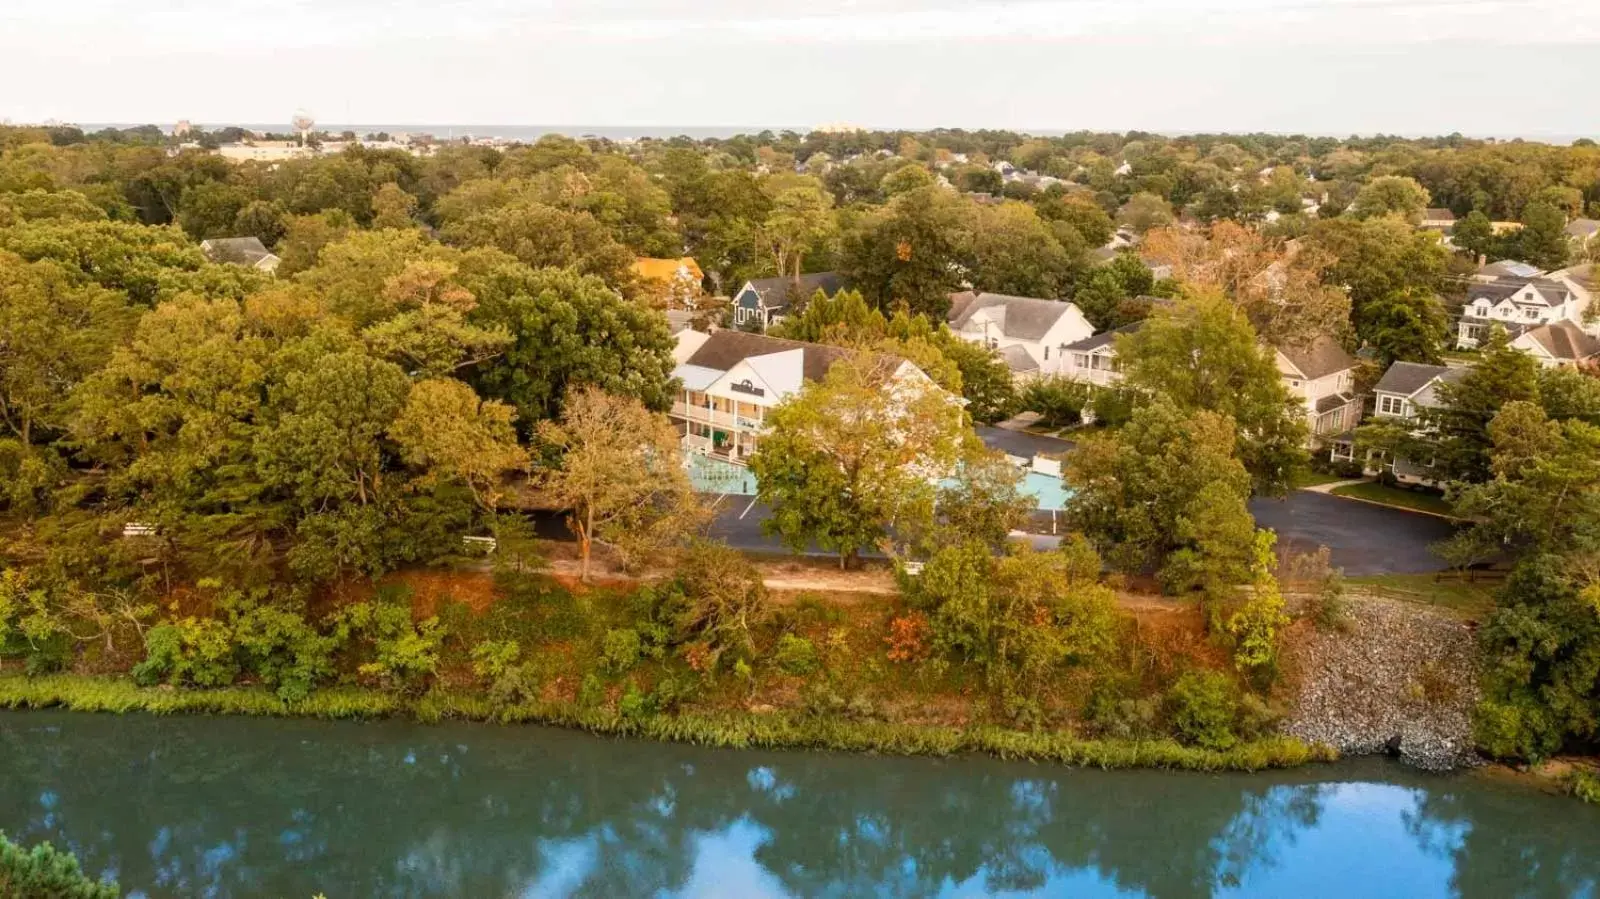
1392,405
1047,354
1080,360
1531,314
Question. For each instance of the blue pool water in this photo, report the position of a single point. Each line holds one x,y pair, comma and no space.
710,475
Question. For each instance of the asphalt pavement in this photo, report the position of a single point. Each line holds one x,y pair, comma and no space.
1021,443
1363,539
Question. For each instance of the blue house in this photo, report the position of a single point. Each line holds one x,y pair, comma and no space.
765,301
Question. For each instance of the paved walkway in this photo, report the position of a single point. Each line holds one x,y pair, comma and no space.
1332,485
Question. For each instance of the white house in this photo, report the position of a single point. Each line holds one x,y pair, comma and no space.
1438,220
732,379
1558,344
249,252
1402,395
1519,305
1030,334
1322,376
1093,360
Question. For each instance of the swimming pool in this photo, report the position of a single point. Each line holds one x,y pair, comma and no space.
709,475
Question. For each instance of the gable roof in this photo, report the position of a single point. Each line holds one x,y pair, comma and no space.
1323,356
1408,378
1552,293
1104,338
1584,228
1017,359
1026,318
1438,215
727,348
665,269
1564,340
778,293
237,250
1509,268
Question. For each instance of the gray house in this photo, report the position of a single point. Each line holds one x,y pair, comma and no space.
249,252
1401,396
765,301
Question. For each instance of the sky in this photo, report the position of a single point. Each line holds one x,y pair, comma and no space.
1481,67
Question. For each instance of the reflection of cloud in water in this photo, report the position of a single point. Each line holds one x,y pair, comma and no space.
1335,840
1058,881
566,864
765,780
725,864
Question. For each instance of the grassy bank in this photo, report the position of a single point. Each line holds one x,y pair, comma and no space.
736,730
1399,497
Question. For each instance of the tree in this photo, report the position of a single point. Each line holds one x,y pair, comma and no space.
1009,249
620,472
1475,235
846,459
392,207
1144,212
1394,195
1542,241
1081,214
1202,355
1459,425
304,236
1408,325
1544,495
544,236
1280,286
420,320
1375,260
261,219
1166,492
43,872
1021,615
566,329
909,251
801,219
449,432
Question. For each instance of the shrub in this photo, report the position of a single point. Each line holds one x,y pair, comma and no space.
509,682
45,873
285,651
620,650
795,655
1116,710
195,651
405,652
908,638
1584,785
1058,401
1202,706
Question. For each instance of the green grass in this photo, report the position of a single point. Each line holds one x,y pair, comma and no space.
1473,599
1398,497
1307,478
736,730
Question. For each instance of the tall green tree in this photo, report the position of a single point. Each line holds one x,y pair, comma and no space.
849,458
1202,354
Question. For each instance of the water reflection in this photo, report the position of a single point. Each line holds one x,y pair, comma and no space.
233,807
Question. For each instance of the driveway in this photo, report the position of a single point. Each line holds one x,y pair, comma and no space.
1364,539
1021,443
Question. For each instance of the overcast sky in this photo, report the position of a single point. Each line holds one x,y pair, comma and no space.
1490,67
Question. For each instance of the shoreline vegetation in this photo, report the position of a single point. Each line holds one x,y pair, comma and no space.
723,730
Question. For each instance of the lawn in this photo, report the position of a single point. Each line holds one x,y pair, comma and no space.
1448,590
1308,478
1400,497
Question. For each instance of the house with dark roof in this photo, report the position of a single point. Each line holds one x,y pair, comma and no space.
1518,305
1321,375
1402,396
1093,360
249,252
730,380
764,302
1030,334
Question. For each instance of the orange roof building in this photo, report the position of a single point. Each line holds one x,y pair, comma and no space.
668,270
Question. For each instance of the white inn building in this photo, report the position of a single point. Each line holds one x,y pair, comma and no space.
732,379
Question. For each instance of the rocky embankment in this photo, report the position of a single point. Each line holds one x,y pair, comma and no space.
1399,678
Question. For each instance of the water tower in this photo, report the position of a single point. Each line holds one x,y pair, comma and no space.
303,123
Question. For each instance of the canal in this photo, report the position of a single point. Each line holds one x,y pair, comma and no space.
257,807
